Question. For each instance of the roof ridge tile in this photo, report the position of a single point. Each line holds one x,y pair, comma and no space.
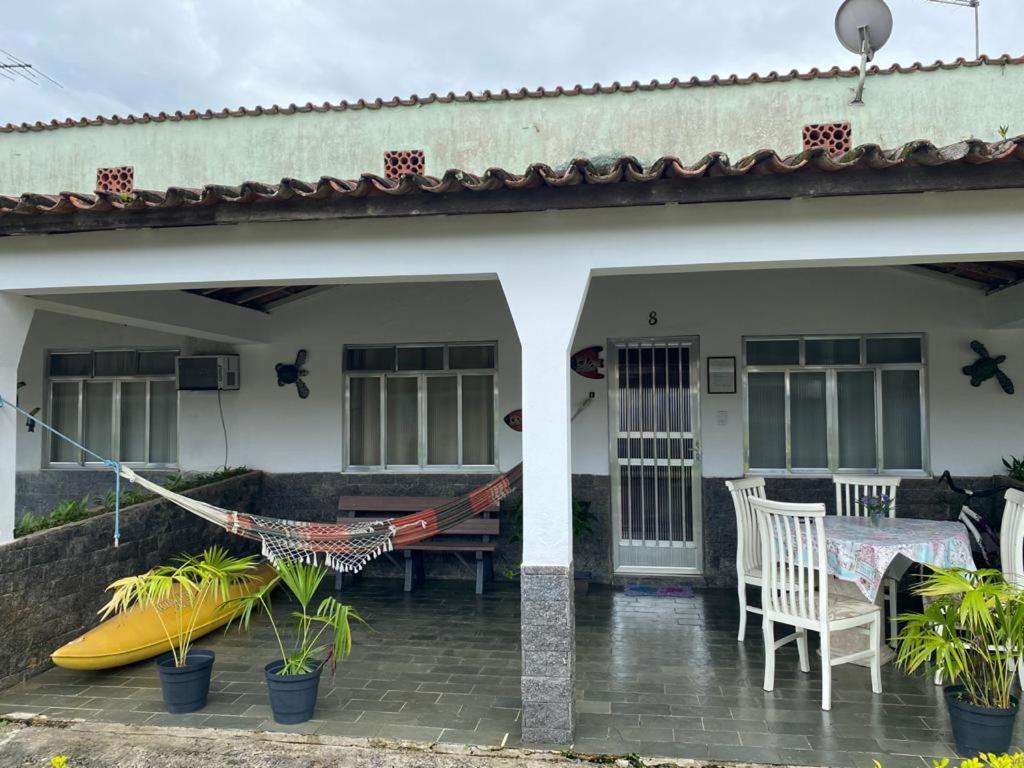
504,94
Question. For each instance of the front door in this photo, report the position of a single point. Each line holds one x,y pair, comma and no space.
655,454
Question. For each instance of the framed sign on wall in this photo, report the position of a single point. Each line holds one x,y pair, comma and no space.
721,375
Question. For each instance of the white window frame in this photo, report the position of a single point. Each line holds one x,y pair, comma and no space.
831,402
115,435
421,392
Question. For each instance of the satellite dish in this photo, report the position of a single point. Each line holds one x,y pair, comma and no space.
872,16
863,26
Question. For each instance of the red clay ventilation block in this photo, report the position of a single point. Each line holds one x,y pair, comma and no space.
837,138
402,161
120,180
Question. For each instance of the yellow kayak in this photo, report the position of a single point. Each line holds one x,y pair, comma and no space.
136,634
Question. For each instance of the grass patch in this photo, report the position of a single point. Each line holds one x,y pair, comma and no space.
73,510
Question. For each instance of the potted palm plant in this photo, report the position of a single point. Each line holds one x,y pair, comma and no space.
972,629
293,680
177,595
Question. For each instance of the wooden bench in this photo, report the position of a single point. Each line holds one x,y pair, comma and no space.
473,536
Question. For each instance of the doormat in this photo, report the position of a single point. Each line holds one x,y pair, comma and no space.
645,590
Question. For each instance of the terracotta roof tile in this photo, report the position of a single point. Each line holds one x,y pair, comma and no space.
503,95
868,157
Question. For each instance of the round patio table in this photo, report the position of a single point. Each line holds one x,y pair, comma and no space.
862,552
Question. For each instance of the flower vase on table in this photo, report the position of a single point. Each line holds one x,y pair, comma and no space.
877,507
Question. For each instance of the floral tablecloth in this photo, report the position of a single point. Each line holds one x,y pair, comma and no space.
861,551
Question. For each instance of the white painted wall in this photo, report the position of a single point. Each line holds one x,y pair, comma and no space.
970,429
270,428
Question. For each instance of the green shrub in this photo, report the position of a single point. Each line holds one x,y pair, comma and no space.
1015,468
73,510
1014,760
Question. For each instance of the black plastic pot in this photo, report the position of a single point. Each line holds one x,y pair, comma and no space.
292,697
978,730
185,688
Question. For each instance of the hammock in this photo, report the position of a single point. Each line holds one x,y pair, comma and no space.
344,546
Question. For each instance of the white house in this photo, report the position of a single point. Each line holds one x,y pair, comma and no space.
803,310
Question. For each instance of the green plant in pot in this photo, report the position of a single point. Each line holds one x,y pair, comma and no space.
972,630
293,681
177,595
1014,468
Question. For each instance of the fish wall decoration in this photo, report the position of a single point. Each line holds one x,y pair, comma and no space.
514,420
588,362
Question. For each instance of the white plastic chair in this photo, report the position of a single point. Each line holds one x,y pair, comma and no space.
794,591
1011,538
1011,554
850,489
748,542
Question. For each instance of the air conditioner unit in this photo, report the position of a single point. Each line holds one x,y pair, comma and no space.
210,372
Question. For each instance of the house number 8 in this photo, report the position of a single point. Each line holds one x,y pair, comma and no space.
652,319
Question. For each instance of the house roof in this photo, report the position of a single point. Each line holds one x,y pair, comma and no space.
819,172
506,95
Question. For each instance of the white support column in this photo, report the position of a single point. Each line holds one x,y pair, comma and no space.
15,318
546,308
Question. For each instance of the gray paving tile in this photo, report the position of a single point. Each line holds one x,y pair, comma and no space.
445,665
787,740
356,730
724,738
743,754
311,726
925,748
817,758
867,760
233,722
190,720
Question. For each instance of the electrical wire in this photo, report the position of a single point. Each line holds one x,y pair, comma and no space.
224,427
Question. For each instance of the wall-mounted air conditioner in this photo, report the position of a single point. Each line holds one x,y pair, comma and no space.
199,372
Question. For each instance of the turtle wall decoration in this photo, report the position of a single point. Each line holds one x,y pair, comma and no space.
292,373
985,367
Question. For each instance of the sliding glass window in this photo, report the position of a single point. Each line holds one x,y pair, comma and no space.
833,404
421,406
120,403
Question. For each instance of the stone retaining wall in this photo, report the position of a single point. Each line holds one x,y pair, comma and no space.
52,582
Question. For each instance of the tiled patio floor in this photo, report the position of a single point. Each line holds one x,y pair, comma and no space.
656,676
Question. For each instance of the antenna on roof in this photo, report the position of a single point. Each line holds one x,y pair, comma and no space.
863,26
975,4
12,68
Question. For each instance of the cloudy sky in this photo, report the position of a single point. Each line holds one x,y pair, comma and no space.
114,56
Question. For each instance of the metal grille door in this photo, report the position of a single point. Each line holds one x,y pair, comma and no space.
655,456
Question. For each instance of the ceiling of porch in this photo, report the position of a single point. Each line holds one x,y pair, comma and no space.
263,298
990,276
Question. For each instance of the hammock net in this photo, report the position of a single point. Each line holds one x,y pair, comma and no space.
343,546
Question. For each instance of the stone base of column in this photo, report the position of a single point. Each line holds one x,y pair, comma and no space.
549,654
